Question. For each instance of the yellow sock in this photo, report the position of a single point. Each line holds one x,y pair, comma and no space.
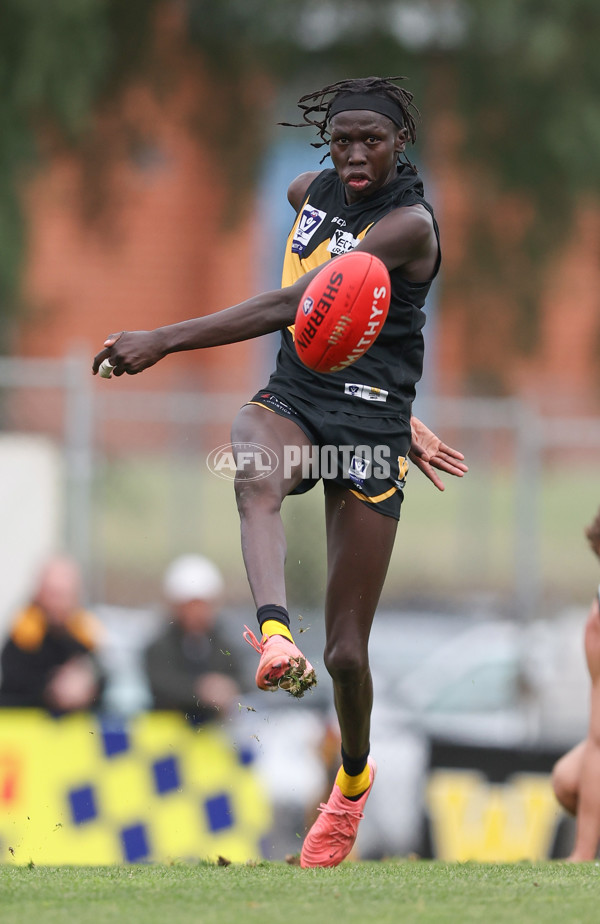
274,627
353,785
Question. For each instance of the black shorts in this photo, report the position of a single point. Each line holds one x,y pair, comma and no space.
367,455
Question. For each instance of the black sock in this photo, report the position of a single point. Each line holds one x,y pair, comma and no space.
354,765
272,611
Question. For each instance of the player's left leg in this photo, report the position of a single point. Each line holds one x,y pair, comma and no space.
359,545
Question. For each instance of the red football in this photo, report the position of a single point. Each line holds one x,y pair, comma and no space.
342,311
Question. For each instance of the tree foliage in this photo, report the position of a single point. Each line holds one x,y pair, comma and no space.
528,75
524,76
60,61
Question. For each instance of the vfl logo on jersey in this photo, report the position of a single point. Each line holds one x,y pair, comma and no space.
342,242
307,305
367,392
310,219
358,471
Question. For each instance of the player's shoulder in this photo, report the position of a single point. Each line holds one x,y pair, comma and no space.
299,187
412,221
404,236
416,215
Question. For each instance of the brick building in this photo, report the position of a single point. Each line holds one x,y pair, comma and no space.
163,255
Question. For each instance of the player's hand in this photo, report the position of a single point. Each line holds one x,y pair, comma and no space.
428,453
74,685
218,690
131,351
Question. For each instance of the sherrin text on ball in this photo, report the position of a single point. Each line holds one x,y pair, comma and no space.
342,311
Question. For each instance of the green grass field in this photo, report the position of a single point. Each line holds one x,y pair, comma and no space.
419,891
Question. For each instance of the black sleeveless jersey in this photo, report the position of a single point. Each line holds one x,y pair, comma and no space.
382,382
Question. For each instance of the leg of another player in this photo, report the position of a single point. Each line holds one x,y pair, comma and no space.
566,777
587,835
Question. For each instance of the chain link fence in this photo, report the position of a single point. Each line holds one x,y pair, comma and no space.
134,490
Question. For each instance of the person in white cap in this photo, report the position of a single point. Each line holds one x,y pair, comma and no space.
188,666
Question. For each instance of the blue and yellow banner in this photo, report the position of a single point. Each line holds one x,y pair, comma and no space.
86,790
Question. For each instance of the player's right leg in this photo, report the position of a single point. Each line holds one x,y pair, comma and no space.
282,664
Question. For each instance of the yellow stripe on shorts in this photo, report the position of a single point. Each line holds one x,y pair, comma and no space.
377,499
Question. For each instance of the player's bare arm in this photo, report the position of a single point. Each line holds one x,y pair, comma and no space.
299,187
399,240
133,351
405,239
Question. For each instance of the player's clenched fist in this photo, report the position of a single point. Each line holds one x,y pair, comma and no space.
128,352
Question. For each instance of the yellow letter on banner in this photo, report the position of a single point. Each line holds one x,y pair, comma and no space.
472,819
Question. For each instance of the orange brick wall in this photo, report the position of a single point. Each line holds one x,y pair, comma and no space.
159,260
162,255
476,325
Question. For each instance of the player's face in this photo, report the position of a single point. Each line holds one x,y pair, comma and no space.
364,148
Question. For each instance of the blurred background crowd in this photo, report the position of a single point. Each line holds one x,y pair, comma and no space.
143,166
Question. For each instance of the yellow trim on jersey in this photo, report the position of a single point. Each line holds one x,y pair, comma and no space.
31,626
295,266
258,404
377,499
85,628
29,629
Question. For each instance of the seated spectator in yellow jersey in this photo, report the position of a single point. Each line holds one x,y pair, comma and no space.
49,658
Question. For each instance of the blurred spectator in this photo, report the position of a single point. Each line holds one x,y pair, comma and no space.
49,659
189,667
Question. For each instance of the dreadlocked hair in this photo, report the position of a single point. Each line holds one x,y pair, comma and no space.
593,534
316,106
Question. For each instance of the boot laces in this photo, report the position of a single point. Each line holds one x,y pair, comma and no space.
252,640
